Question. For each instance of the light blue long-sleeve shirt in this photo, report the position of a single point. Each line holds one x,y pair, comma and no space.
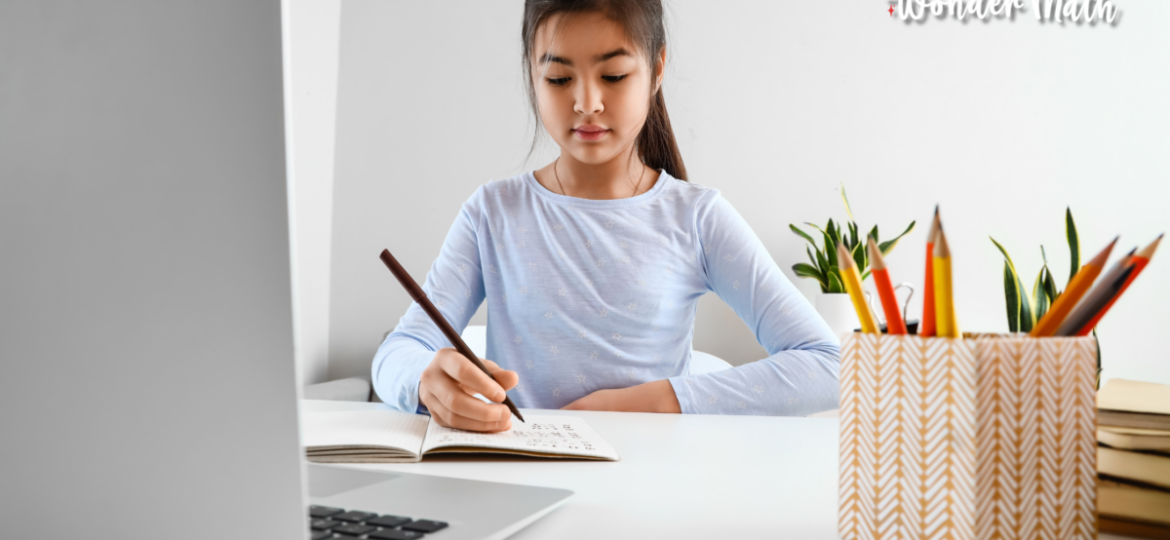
584,295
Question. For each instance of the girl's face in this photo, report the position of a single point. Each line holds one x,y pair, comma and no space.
593,86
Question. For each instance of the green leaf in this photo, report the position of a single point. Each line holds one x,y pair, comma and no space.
853,239
865,275
886,247
1026,317
831,251
873,233
848,210
802,234
818,227
859,256
1039,296
1050,286
808,271
835,285
824,263
1074,243
1012,296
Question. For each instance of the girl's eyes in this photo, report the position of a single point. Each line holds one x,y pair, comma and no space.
561,81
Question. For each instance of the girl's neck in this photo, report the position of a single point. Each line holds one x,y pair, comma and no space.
616,179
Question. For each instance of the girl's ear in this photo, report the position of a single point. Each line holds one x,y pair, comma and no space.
660,71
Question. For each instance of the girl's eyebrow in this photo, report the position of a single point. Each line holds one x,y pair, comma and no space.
596,59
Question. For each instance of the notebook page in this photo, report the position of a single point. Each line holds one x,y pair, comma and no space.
339,429
543,435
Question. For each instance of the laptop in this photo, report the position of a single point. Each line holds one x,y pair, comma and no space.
146,328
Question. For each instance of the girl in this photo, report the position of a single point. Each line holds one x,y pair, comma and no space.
592,266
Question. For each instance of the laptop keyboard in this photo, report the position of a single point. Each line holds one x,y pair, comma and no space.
329,522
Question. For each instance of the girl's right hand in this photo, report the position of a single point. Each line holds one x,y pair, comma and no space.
448,386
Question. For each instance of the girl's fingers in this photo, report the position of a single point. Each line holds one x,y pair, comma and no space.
463,404
507,379
461,369
446,418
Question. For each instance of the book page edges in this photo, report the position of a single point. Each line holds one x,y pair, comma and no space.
502,451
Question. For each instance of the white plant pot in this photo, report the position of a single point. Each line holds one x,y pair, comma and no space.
837,311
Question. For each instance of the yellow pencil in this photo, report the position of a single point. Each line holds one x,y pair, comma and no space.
946,324
1077,286
851,278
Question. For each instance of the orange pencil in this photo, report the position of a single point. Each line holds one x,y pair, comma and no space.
881,279
927,326
1140,260
1077,286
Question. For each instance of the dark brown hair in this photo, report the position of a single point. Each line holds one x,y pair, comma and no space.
642,20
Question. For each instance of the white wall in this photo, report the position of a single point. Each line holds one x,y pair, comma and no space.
1003,123
311,37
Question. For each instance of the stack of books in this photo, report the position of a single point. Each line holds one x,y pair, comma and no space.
1133,458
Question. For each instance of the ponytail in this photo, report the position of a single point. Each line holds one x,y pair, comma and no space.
656,144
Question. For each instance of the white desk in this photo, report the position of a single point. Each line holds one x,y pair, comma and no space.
680,476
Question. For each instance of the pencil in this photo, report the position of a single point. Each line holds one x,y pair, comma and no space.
419,296
1140,260
1109,291
1081,314
881,279
946,323
1077,287
927,327
852,280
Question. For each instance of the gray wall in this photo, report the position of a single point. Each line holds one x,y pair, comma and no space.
148,385
1003,123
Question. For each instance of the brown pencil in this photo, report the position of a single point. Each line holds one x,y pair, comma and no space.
419,296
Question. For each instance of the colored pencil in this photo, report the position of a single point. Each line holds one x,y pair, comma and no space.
927,326
1080,313
1140,260
1077,287
881,279
851,278
1109,291
946,323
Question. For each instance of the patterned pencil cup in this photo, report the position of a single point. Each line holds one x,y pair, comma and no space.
988,437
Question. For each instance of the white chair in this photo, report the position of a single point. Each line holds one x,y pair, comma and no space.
358,388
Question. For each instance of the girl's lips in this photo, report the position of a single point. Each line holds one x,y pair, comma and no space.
590,133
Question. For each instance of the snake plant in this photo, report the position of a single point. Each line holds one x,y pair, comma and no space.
825,268
1023,309
1023,312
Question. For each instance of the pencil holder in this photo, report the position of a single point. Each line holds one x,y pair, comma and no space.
991,436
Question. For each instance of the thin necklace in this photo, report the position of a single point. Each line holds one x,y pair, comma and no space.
558,177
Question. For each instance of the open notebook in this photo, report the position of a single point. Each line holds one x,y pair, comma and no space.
384,436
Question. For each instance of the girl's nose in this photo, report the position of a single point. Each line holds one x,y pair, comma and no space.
588,99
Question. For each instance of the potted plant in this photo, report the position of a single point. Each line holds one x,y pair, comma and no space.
833,302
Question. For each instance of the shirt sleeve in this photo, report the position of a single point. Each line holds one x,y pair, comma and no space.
799,377
455,285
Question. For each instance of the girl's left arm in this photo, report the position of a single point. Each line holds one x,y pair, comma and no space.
799,377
